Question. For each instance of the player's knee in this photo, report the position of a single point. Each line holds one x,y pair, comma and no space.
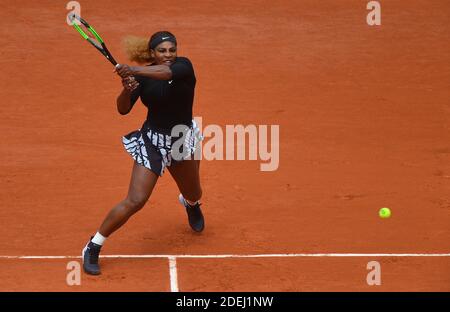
135,203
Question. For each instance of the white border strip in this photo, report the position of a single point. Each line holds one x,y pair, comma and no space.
173,259
173,274
243,256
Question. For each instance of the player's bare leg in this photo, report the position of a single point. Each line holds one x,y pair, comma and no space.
186,175
141,186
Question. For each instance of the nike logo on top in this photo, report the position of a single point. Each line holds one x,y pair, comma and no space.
170,81
164,38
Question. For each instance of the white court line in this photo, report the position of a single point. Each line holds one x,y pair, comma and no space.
173,274
243,256
173,258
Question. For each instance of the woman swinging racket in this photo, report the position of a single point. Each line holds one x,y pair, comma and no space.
166,87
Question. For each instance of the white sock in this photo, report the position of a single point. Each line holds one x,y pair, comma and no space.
191,203
98,239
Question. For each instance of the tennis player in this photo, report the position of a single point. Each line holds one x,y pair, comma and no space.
166,87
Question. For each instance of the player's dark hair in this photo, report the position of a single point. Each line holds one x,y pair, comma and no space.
138,49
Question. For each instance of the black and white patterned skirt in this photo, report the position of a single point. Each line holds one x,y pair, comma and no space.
157,150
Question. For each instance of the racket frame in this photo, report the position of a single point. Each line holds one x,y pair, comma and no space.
100,47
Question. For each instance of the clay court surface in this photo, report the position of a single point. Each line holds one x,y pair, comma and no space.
364,123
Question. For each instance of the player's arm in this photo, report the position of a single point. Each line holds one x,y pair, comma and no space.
128,96
123,102
157,72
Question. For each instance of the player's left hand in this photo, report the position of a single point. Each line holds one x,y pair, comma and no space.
130,83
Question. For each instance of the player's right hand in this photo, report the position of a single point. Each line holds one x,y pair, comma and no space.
123,70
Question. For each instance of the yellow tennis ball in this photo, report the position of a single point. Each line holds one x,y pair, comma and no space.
384,213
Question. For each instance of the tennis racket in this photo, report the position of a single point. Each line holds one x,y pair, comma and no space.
89,33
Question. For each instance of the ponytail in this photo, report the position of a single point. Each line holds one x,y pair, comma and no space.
137,49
